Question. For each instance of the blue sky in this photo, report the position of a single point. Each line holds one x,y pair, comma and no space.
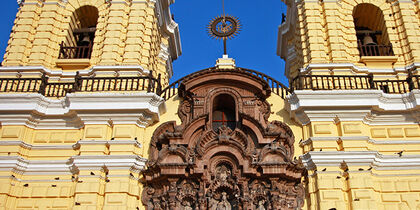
254,48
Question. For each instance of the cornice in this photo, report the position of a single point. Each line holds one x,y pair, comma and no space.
359,138
94,71
312,160
370,106
165,55
77,109
72,165
313,67
75,146
39,3
286,31
168,26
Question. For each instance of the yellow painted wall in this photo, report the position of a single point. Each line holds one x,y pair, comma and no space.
100,188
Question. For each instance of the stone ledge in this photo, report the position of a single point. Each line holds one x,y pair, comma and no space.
378,62
68,64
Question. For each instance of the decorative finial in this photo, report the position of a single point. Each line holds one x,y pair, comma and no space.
224,27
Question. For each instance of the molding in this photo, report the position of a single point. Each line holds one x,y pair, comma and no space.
169,26
356,69
285,32
165,55
312,160
373,107
359,138
74,63
94,71
77,109
72,165
75,146
60,3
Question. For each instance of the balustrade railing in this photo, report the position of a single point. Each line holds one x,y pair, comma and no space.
276,87
29,85
415,82
151,84
119,84
375,50
356,82
171,90
392,86
57,89
81,84
331,82
75,52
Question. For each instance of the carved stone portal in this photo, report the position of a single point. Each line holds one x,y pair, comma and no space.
245,165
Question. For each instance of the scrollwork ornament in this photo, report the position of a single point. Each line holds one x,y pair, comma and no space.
184,110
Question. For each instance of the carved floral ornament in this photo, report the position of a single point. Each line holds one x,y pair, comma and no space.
246,166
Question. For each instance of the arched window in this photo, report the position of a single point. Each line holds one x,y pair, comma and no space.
371,31
81,33
224,113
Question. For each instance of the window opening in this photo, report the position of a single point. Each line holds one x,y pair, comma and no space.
224,112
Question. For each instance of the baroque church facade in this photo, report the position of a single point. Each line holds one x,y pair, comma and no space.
90,121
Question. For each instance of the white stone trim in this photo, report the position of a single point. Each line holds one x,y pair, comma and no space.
370,106
312,160
72,165
94,71
77,109
359,138
356,69
69,147
165,55
285,32
168,26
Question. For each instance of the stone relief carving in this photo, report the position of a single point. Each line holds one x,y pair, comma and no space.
193,166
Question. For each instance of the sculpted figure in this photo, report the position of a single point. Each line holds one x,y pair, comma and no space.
224,203
212,204
186,205
222,173
260,205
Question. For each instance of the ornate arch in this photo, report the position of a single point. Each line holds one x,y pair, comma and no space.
209,99
386,8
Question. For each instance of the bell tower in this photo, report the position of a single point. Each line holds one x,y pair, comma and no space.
353,73
80,88
350,38
127,37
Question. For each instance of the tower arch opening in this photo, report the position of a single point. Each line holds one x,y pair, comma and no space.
81,33
371,31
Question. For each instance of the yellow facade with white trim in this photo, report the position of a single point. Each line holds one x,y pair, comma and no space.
378,142
49,163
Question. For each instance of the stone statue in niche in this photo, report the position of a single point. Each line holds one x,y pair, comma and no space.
223,173
212,203
224,203
261,205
